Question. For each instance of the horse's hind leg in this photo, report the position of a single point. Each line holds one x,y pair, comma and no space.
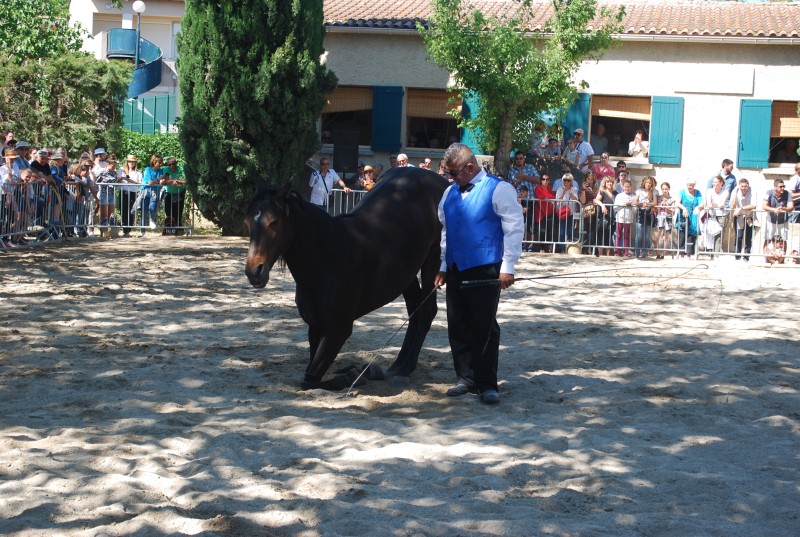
422,308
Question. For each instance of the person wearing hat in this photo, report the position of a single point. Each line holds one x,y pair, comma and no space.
22,162
368,180
131,178
107,195
585,152
57,192
57,166
8,178
99,161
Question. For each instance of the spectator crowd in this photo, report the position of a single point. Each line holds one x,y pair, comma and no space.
572,195
46,195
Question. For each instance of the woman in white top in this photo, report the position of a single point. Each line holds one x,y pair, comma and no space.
664,216
646,199
624,215
715,199
130,175
638,148
566,205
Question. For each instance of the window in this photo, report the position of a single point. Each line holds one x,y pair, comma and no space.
348,108
428,120
661,119
784,132
621,117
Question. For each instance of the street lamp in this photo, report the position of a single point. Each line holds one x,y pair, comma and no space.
138,8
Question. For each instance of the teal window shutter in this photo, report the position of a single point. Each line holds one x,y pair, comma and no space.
470,107
666,130
578,116
387,116
755,119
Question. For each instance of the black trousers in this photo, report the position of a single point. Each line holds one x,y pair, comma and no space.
127,199
472,324
744,238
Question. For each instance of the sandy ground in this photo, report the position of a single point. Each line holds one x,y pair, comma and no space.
146,389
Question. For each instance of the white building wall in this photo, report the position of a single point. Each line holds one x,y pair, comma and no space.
371,59
712,78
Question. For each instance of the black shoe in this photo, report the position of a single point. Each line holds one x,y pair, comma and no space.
460,389
490,397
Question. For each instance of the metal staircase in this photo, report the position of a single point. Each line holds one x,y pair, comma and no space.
121,45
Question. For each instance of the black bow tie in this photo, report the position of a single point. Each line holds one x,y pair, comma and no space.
466,188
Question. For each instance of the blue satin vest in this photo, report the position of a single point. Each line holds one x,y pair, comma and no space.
474,231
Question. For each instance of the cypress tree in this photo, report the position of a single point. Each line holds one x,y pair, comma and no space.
252,88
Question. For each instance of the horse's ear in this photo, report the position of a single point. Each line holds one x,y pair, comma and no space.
283,195
284,191
260,190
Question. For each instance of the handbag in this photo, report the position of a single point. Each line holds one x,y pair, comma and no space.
713,227
564,212
589,210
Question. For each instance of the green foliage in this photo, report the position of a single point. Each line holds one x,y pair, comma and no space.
73,100
517,74
145,146
34,29
252,89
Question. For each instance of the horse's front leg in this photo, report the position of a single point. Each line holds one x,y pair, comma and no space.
328,347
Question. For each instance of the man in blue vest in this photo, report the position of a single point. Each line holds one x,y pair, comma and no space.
482,228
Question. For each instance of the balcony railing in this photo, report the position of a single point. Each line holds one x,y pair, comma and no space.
121,45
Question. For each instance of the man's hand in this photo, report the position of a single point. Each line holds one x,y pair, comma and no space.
441,279
506,280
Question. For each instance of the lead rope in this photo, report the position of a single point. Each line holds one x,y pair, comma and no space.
435,288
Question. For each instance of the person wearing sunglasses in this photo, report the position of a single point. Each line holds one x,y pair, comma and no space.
482,230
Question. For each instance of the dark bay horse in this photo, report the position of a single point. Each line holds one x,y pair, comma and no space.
349,265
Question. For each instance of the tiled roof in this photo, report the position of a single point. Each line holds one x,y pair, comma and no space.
642,18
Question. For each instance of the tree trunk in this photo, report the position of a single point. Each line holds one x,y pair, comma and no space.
504,145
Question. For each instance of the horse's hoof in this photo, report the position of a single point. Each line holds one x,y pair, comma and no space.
309,385
374,372
399,381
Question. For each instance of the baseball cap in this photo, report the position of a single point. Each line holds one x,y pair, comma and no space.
100,151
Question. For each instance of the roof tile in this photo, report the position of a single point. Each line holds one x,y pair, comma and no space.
658,17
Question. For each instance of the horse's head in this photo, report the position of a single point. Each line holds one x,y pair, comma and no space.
270,232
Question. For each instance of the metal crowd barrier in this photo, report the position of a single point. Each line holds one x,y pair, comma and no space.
552,225
745,236
341,202
661,233
39,212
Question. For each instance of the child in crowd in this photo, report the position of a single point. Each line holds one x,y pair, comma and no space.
571,154
624,215
86,197
776,251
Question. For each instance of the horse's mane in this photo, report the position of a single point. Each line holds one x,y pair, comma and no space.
293,199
